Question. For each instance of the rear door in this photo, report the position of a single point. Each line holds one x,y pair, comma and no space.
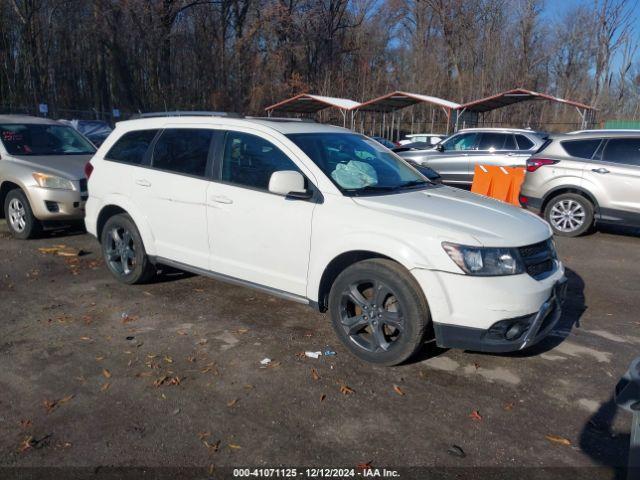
171,191
616,177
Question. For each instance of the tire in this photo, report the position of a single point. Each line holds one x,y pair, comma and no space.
124,252
401,315
20,219
569,214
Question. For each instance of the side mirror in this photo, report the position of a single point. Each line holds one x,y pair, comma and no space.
439,147
288,183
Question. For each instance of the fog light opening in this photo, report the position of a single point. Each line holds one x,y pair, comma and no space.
514,331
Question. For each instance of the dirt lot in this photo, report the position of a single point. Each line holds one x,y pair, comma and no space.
95,373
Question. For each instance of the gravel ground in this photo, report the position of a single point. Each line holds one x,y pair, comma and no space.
95,373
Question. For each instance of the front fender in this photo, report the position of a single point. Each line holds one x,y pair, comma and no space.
323,253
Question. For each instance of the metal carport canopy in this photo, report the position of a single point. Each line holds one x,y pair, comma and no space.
308,103
515,96
398,100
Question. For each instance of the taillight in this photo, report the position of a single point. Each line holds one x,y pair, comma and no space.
88,170
534,164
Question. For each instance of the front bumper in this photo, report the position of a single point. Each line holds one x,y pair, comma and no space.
52,205
529,329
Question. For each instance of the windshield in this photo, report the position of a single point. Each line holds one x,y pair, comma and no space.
357,164
43,139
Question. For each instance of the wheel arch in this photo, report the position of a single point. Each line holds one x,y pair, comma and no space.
5,187
336,266
569,189
112,208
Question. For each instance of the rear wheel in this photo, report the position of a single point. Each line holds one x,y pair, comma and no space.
378,311
124,251
20,219
569,214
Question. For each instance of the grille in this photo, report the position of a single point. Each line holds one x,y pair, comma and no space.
83,185
539,259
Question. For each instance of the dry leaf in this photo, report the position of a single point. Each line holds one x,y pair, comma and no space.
234,446
65,399
105,386
106,373
49,405
314,374
26,444
345,390
212,446
25,423
232,402
398,390
558,439
364,465
509,406
322,397
475,415
88,339
168,359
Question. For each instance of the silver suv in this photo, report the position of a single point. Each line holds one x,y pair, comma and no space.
41,173
456,157
585,177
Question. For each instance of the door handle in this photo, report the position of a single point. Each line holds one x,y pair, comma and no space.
221,199
143,183
600,170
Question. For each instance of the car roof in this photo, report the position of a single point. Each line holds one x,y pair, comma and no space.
600,134
28,119
282,125
498,129
426,135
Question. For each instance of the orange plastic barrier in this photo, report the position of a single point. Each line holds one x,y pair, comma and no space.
501,183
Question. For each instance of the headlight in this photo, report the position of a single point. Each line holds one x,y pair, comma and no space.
51,181
485,261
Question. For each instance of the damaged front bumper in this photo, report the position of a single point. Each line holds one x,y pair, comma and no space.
507,335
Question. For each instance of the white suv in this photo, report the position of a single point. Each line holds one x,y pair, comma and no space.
329,218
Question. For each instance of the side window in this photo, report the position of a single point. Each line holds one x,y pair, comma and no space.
464,141
183,150
492,141
250,160
510,143
131,147
523,142
581,148
625,151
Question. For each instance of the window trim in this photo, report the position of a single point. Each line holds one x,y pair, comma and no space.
208,171
144,157
604,146
218,161
533,143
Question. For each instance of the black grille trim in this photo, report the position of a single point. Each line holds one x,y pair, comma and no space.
539,259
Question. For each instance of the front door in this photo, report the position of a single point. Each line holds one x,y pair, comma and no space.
255,235
617,179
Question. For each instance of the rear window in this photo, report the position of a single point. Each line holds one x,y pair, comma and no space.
523,142
131,147
581,148
183,150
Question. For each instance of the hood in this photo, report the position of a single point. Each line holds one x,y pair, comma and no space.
67,166
458,215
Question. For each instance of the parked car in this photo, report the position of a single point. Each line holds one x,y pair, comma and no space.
585,178
430,138
456,157
430,173
95,130
323,216
413,146
41,173
383,141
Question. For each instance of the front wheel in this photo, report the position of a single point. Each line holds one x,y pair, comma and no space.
124,251
379,311
569,214
20,218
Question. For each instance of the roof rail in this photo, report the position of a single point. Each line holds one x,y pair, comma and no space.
284,119
179,113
